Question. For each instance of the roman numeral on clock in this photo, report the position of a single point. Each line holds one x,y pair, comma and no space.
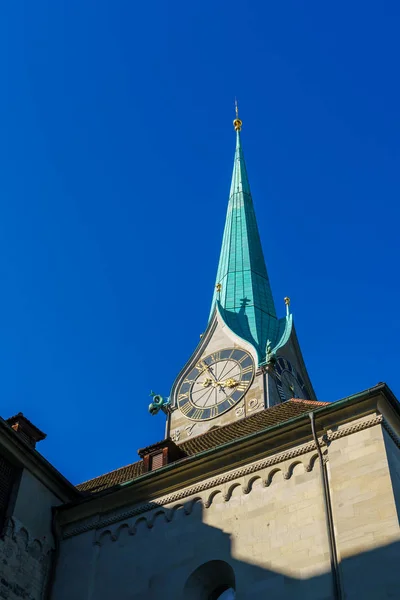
213,412
186,408
197,414
201,366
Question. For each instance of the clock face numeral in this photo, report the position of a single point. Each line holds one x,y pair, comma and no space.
201,366
185,408
242,386
288,382
215,384
213,412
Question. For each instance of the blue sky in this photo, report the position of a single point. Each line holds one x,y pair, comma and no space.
116,155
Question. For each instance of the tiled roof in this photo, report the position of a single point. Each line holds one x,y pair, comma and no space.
261,420
113,478
211,439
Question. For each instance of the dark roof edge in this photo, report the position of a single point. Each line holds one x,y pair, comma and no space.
39,461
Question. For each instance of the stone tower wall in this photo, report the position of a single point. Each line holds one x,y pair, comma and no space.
27,545
265,520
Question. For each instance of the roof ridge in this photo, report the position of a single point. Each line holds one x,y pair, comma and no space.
313,402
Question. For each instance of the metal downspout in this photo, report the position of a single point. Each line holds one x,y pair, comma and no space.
337,590
168,423
265,387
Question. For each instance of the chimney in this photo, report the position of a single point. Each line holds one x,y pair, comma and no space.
25,429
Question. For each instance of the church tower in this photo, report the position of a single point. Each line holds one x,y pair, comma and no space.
248,359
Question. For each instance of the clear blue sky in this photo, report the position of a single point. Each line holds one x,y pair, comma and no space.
116,156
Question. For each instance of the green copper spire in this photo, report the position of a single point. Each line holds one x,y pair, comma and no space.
243,293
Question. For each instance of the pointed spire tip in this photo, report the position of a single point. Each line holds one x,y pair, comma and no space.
237,123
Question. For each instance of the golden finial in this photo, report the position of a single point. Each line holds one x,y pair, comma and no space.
287,302
237,123
218,287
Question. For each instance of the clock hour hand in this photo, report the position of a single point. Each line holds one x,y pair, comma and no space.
230,383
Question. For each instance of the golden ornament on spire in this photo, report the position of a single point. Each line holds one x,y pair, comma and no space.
287,302
237,123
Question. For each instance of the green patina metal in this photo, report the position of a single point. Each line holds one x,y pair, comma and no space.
243,296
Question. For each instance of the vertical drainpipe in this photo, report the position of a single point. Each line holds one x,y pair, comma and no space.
337,590
168,424
265,387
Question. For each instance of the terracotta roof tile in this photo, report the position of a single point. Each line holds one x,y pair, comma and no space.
113,478
211,439
260,420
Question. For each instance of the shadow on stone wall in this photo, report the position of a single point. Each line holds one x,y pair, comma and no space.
392,455
165,547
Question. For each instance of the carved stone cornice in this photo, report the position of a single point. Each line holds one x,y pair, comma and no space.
365,424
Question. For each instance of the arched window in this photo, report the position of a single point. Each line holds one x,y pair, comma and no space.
228,594
214,580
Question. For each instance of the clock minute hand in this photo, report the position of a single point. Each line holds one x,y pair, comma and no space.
209,369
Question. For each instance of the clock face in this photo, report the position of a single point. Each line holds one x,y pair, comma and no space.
288,381
215,384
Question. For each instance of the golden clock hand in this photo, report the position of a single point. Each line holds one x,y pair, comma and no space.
230,383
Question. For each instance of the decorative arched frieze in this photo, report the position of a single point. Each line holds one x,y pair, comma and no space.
177,511
189,506
310,464
22,538
231,476
142,522
10,528
106,536
271,476
121,529
225,492
288,474
159,515
16,531
211,497
229,491
249,483
35,549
